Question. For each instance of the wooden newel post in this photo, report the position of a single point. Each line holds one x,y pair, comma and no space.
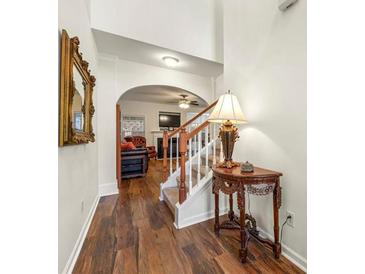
183,149
165,144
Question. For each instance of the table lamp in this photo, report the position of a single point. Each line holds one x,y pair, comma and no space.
227,112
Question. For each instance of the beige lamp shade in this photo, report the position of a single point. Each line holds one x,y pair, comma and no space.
227,108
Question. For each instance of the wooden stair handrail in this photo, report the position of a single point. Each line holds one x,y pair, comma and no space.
192,119
197,129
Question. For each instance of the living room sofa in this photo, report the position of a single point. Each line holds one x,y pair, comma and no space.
134,163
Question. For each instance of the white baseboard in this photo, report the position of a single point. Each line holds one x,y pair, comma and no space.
108,189
199,218
80,240
104,190
288,253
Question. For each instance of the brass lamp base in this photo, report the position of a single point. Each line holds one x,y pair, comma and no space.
228,134
228,164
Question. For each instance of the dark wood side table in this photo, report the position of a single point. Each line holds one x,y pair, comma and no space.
260,182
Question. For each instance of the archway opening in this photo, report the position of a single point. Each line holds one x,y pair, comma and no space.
146,111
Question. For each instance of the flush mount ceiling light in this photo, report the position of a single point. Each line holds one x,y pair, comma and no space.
170,61
285,5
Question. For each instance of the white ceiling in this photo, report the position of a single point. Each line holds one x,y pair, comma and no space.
136,51
160,94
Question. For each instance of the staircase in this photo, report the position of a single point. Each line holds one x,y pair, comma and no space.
186,187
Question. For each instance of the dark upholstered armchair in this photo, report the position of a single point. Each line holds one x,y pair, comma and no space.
140,141
134,163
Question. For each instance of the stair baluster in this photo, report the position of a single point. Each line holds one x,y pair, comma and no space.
195,144
177,150
199,155
190,167
206,150
165,141
170,156
182,189
214,146
221,153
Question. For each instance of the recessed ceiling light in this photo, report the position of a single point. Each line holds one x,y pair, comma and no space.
170,61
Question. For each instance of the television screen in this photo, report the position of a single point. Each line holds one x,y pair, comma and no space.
169,119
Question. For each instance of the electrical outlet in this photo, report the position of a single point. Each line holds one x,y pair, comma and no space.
291,220
82,206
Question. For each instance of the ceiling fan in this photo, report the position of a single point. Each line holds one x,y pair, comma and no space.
185,103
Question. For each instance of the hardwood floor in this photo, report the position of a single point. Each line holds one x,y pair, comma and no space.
134,233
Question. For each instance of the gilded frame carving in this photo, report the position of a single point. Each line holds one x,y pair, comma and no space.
70,57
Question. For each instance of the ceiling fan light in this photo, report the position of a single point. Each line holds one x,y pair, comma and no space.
183,104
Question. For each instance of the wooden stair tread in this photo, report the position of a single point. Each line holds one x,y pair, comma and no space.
203,170
210,157
194,181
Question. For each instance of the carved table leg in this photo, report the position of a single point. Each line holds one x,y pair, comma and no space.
244,236
230,212
216,223
276,206
232,222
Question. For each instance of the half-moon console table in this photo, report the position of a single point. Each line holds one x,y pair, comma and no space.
260,182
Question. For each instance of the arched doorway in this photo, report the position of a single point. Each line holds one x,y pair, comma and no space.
140,111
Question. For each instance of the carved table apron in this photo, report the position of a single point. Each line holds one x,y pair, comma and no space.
259,182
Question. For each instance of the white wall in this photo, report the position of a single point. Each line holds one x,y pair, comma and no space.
78,164
151,114
190,26
116,77
219,86
265,66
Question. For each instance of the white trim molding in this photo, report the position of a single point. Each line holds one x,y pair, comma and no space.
199,218
80,240
288,253
108,189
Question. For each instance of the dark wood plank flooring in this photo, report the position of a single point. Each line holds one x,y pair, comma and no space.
134,233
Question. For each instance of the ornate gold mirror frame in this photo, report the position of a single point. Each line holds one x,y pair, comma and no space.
71,61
